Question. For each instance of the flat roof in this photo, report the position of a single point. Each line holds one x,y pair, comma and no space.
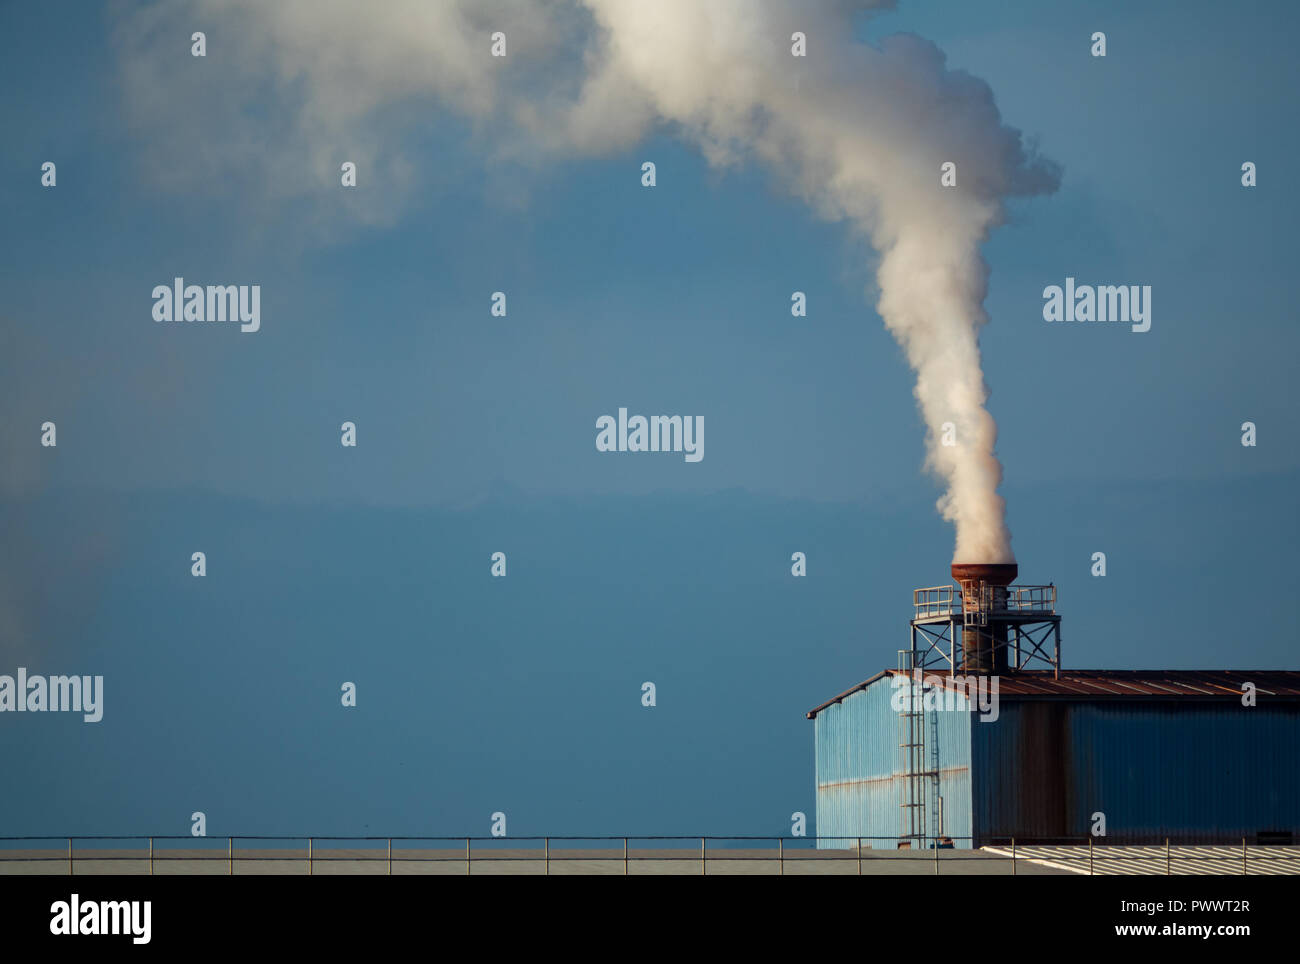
1109,684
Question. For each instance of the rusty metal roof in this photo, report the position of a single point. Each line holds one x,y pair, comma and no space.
1111,684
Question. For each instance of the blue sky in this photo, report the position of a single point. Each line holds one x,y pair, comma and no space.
477,434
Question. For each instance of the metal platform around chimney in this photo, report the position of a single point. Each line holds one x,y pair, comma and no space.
937,604
943,617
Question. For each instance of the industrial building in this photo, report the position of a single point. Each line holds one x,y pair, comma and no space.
980,736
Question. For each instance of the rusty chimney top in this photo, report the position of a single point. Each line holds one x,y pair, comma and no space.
989,573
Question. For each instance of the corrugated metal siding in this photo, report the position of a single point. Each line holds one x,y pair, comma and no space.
1192,771
859,788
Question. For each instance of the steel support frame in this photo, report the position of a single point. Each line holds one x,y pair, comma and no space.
934,643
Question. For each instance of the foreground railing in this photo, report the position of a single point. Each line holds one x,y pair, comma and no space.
622,855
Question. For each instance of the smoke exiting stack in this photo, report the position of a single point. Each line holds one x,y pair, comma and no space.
985,637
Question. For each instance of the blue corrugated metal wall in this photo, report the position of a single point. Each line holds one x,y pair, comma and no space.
1191,771
859,790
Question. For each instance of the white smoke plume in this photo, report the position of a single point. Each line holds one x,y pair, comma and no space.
858,130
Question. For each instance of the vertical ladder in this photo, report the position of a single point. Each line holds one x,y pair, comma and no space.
975,611
932,777
915,774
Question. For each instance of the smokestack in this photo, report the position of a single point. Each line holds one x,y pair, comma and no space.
985,637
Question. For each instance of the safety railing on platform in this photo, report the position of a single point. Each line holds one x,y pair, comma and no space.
936,602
